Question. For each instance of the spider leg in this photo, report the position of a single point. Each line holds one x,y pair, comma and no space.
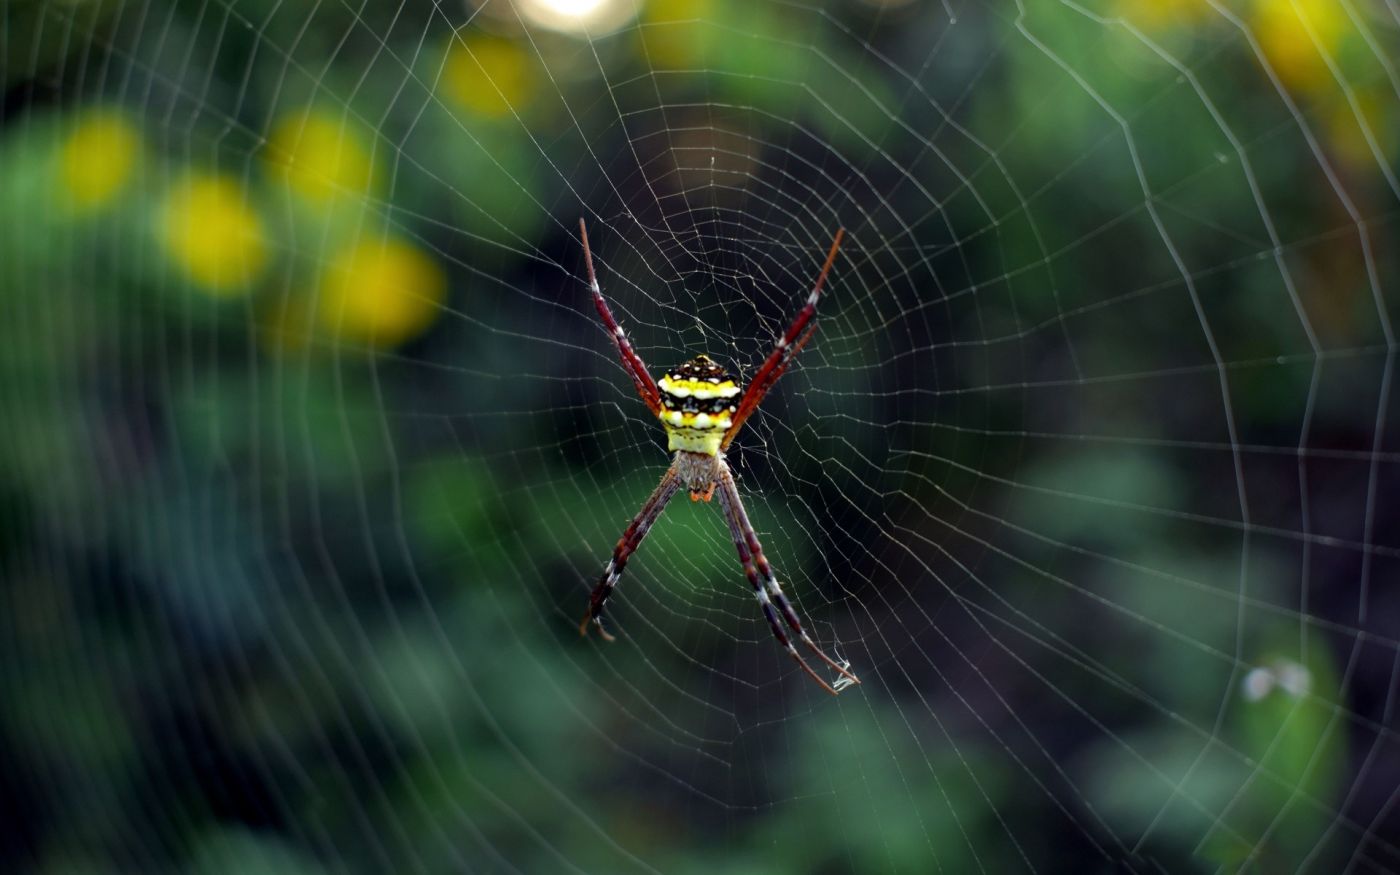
778,372
765,585
784,351
631,362
627,545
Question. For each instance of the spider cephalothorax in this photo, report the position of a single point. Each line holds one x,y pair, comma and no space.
702,407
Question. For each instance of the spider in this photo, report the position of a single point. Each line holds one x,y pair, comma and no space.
699,405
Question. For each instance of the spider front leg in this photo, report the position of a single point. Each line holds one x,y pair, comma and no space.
785,350
766,587
627,545
631,362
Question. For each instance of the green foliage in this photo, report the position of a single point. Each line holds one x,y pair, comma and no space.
280,597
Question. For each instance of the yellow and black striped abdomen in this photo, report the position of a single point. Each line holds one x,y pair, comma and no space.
698,400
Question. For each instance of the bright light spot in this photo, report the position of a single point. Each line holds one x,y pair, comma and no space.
1282,674
592,17
1293,679
574,8
1258,684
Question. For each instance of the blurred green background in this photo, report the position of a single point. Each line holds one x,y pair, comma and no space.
313,446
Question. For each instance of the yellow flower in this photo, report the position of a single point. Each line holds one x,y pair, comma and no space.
1284,36
1348,138
381,291
212,233
319,157
489,75
97,158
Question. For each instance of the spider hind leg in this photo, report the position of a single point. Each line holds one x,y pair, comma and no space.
769,593
631,539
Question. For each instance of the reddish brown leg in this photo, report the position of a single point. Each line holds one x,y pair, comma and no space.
784,351
765,585
631,362
627,545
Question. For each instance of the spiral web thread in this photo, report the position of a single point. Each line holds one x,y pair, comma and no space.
1089,470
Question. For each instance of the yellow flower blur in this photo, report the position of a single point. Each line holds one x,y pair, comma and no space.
1344,127
318,156
1284,36
97,158
381,291
489,75
212,233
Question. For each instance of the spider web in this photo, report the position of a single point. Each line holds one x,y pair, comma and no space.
315,446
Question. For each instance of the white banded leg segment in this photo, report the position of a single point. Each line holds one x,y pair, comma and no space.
767,605
751,571
773,591
627,545
766,588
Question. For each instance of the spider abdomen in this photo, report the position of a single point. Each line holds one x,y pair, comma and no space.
698,400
